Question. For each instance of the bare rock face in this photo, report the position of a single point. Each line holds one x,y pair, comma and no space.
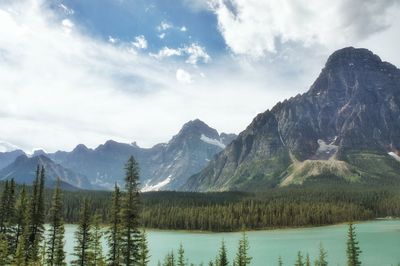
351,114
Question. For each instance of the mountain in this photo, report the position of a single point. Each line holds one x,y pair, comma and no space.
8,157
345,128
24,167
164,166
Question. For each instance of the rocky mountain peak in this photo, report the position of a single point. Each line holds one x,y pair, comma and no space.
198,127
80,148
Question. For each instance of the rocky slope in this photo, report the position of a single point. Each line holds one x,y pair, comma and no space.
346,126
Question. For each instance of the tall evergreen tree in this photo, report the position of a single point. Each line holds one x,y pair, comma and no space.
5,257
36,217
181,256
144,255
169,259
21,217
97,250
55,244
308,262
4,207
83,237
299,260
7,209
353,250
114,232
280,261
321,261
130,214
242,256
222,259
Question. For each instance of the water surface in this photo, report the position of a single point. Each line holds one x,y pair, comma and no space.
379,241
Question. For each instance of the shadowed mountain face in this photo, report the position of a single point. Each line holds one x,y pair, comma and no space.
23,171
347,125
8,157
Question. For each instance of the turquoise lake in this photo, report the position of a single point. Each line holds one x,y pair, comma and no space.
379,240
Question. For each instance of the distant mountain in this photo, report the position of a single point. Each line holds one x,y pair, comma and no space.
8,157
346,128
24,167
164,166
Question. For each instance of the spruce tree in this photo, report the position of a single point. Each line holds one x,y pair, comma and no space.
5,257
169,259
83,237
114,232
21,217
55,254
299,260
36,218
242,256
308,262
222,259
353,250
97,258
181,256
144,255
321,261
4,207
280,262
130,214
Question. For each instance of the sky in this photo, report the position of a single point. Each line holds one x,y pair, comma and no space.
74,71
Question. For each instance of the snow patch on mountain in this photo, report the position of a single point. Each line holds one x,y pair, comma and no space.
395,156
157,186
211,141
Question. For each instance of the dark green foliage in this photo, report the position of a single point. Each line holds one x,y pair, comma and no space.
5,257
36,218
96,254
144,253
299,260
130,214
169,259
308,262
353,250
242,255
55,254
181,256
83,237
321,261
280,261
114,232
222,259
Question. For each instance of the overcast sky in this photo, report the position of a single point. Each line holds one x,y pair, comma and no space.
74,71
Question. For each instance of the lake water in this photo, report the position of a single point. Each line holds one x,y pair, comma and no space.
379,241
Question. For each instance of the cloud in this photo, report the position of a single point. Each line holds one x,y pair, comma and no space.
194,53
164,25
183,76
183,28
257,27
140,42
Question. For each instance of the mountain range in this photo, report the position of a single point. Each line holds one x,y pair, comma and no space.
346,128
164,166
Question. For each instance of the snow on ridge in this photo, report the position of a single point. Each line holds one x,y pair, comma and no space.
395,156
157,186
211,141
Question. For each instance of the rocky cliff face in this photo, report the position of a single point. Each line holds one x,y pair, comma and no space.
348,121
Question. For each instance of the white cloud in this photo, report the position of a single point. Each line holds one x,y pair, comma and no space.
183,76
140,42
194,53
256,27
112,40
161,35
164,25
183,28
67,25
67,10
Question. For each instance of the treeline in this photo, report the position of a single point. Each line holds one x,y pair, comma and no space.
232,211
